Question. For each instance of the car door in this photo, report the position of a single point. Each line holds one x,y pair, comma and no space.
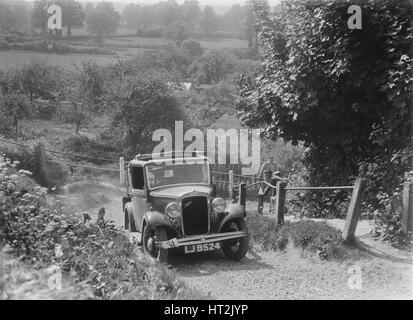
138,195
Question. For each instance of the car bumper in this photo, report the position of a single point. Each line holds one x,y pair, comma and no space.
195,240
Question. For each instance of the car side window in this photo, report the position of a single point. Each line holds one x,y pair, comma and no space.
137,179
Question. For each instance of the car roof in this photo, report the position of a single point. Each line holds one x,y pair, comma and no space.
142,159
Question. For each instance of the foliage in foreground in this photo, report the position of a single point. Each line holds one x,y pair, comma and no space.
315,237
44,232
388,218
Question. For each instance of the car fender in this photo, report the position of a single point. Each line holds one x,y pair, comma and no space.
129,213
235,211
128,208
157,219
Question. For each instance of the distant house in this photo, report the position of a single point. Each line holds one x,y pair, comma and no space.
181,86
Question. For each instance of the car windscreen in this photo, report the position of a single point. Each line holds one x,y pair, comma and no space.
161,175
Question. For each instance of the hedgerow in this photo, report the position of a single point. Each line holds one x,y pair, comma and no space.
43,231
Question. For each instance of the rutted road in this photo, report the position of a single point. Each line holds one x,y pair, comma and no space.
385,273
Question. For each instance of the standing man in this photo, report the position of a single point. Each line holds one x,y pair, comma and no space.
270,174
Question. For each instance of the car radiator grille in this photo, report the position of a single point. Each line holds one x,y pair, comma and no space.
195,215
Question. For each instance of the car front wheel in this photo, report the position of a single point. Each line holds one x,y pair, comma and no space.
236,249
151,236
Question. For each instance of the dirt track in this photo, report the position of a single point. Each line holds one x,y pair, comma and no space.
386,273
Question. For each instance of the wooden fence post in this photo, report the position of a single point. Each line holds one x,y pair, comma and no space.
354,211
407,219
2,281
242,194
43,161
231,184
122,171
280,202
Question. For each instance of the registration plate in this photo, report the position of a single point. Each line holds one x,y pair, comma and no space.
203,247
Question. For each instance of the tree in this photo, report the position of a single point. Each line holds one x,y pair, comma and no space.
10,82
7,18
38,79
103,20
40,15
131,14
13,108
171,13
88,10
213,66
345,93
208,20
234,19
191,12
141,104
177,33
193,47
172,62
207,106
22,14
74,112
147,18
81,90
250,21
72,14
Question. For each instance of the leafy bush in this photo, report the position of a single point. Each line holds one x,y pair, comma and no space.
150,33
4,45
44,110
388,218
41,230
193,47
213,67
245,53
50,175
14,108
11,38
214,35
38,79
83,145
330,204
48,46
140,105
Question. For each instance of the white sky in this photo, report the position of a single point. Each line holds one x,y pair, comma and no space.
201,2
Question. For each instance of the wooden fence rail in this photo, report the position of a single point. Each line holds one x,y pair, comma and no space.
354,210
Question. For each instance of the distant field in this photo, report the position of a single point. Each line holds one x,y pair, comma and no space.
134,42
129,40
124,46
11,59
83,31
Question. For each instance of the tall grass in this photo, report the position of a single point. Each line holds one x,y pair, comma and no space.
314,237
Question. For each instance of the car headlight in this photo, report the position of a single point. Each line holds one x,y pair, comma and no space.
219,205
173,210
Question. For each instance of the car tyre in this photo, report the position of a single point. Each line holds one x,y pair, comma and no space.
236,249
150,236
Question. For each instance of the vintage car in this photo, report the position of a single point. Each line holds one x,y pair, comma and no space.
172,205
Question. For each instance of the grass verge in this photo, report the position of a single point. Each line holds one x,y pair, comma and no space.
314,237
